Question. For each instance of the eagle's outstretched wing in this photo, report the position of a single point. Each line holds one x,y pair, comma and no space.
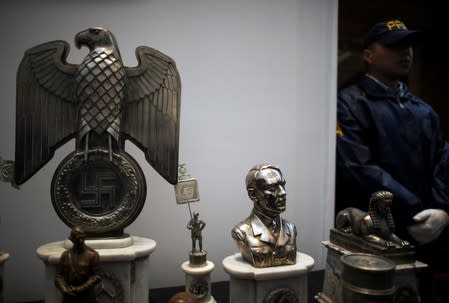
151,115
46,110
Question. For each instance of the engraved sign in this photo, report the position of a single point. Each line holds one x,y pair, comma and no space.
186,189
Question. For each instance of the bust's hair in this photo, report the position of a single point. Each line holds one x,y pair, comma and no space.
372,210
254,172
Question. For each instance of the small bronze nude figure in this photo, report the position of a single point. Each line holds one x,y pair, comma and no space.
264,238
196,226
376,226
79,270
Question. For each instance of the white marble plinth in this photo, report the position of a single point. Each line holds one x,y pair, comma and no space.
3,257
249,284
125,267
198,280
405,275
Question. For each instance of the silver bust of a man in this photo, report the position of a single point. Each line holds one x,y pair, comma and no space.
264,238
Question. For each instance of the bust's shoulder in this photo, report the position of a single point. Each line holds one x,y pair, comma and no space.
240,230
92,253
289,225
242,226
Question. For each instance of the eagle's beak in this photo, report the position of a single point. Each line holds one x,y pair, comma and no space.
81,39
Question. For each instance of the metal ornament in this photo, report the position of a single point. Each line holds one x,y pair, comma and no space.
186,189
111,289
197,256
7,172
264,238
102,195
199,287
367,278
372,231
101,103
285,295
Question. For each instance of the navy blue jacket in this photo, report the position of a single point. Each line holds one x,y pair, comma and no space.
388,140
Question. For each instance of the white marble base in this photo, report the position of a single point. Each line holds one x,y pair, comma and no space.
125,267
198,280
249,284
405,275
3,257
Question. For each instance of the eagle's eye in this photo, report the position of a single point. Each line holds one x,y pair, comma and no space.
94,31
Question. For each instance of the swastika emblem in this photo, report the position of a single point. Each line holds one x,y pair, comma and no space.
98,190
101,195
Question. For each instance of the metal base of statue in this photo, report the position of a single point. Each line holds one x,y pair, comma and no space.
367,278
197,272
349,241
125,263
3,257
286,283
405,280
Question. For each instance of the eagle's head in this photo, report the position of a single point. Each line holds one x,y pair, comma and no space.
96,37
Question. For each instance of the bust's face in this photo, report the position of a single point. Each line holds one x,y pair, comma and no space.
269,194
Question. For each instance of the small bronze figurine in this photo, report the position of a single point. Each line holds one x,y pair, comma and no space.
183,297
376,226
196,226
197,256
79,270
264,238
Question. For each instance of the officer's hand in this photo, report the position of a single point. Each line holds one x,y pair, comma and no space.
430,223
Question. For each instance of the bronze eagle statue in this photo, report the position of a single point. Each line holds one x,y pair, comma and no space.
100,102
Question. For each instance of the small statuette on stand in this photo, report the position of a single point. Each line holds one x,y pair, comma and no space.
376,226
78,273
197,256
368,237
198,269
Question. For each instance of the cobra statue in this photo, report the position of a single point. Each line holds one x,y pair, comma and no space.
101,103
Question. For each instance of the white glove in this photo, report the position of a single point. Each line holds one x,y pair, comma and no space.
430,223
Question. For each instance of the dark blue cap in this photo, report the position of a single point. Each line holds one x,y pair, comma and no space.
392,32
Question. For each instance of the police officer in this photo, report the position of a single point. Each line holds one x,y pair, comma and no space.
389,139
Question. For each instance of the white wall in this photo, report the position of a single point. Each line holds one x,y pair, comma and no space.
259,82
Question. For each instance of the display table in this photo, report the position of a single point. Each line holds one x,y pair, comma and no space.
3,257
249,284
124,262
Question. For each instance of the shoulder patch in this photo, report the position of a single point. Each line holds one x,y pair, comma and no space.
339,131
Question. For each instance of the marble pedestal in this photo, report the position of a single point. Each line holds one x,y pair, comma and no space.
198,280
3,257
249,284
404,276
124,262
